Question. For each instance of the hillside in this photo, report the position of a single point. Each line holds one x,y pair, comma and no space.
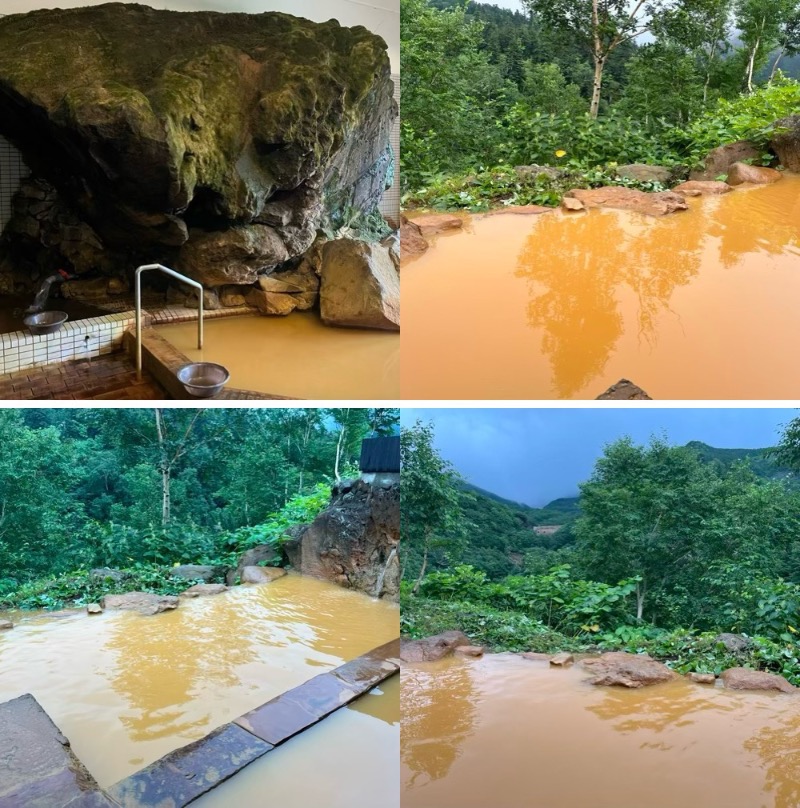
500,532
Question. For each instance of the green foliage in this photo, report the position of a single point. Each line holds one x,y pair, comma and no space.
746,117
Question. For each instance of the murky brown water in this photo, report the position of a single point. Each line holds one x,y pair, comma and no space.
350,760
697,305
126,689
507,732
297,356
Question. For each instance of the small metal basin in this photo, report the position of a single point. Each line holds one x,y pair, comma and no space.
203,379
46,322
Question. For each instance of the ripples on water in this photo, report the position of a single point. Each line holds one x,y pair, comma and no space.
508,732
126,689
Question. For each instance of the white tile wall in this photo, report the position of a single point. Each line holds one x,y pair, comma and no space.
81,339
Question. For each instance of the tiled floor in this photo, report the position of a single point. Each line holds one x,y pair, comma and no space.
102,378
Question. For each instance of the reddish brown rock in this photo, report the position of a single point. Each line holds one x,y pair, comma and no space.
756,175
94,608
562,659
702,187
432,648
470,650
627,670
702,678
786,143
571,204
718,161
261,575
432,224
612,196
624,390
412,242
747,679
200,590
142,602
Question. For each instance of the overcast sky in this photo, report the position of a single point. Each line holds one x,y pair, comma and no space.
536,455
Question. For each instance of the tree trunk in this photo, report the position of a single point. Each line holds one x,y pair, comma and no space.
166,502
597,86
339,446
708,73
775,63
421,569
640,590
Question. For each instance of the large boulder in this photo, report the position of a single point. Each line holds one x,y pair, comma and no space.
360,285
733,643
786,142
203,590
757,175
261,575
640,172
142,602
434,224
354,541
627,670
412,242
433,648
235,132
702,188
624,390
614,196
718,161
747,679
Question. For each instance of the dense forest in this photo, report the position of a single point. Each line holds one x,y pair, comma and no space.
669,546
145,489
486,89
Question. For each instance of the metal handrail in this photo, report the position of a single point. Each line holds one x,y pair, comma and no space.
180,277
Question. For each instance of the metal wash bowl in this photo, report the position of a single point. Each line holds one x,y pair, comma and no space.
203,379
45,322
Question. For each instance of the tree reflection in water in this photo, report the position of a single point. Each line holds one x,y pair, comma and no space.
778,748
583,262
438,715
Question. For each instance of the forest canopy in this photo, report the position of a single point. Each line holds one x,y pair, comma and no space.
556,85
82,488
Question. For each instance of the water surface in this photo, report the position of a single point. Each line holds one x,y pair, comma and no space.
297,356
507,732
126,688
700,304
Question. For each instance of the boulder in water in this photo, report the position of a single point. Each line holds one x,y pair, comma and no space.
434,224
261,575
756,175
786,142
702,187
360,286
627,670
562,660
94,608
702,678
613,196
5,625
469,650
433,648
353,542
201,590
747,679
412,242
718,161
142,602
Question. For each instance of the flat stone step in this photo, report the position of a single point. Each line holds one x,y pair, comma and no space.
189,772
37,766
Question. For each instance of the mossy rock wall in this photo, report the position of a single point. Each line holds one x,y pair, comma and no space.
152,125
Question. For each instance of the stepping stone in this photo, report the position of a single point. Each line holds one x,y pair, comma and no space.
37,767
297,709
363,673
185,774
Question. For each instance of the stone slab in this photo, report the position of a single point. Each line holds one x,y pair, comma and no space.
37,767
366,672
185,774
298,708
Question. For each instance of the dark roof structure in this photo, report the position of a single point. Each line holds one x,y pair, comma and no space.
380,455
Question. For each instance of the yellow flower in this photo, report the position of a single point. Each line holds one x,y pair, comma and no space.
561,153
793,630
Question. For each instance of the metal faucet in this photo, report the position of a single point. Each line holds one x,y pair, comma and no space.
40,300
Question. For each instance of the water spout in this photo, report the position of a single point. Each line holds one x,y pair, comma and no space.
40,300
382,576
